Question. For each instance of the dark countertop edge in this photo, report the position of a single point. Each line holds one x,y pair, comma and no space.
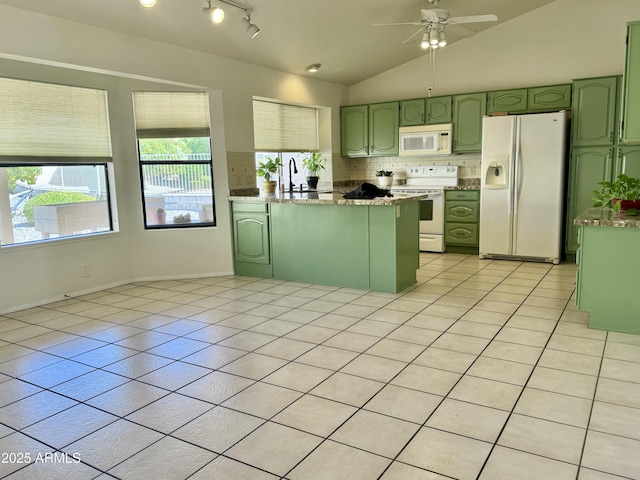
604,217
336,199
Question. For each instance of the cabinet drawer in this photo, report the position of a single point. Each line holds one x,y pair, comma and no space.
456,211
464,195
250,207
461,234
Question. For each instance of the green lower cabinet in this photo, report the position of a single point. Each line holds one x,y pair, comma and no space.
588,167
549,98
355,246
461,221
607,279
251,239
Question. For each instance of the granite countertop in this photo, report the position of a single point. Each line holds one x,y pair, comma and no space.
604,217
333,198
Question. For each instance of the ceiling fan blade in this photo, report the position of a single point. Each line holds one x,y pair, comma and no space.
413,38
473,19
394,24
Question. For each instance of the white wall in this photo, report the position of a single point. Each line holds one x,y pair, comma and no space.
563,40
32,275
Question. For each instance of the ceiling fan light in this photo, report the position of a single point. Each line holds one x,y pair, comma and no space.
443,40
148,3
433,37
424,44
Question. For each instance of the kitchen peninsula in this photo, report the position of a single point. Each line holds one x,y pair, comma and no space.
609,268
323,238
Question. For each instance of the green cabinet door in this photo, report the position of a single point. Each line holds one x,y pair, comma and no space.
594,111
439,110
588,167
468,111
549,98
251,238
627,161
412,112
383,128
354,129
630,131
512,101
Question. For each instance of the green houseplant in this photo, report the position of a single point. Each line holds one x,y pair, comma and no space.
623,195
313,162
385,178
265,170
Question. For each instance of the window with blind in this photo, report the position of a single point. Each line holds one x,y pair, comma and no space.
285,131
55,162
174,149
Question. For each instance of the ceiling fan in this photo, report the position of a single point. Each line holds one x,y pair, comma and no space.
433,23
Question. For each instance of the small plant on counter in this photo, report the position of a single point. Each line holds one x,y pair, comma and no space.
267,168
385,178
313,162
622,195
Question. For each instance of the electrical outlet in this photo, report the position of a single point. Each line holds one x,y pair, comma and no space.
85,270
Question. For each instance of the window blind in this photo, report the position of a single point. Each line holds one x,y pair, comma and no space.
172,114
278,127
43,120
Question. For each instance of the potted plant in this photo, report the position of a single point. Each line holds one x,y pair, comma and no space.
623,195
313,162
265,170
385,178
159,216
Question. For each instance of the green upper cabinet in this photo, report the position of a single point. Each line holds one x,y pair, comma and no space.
354,126
630,131
438,110
594,111
627,161
549,98
369,130
383,128
588,167
512,101
468,111
412,112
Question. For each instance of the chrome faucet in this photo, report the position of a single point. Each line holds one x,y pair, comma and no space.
295,170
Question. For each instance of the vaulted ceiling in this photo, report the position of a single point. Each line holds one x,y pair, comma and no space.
339,34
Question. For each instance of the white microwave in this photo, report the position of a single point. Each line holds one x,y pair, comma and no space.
426,140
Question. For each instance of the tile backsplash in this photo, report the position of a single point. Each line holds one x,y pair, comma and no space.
241,167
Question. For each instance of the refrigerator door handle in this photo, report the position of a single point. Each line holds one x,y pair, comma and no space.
517,182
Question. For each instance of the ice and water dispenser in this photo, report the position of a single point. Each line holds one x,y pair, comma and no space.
496,173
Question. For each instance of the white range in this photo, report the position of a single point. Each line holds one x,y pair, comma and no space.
431,180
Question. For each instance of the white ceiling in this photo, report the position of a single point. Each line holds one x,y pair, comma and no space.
339,34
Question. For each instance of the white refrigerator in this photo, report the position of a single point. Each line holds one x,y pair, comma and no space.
522,186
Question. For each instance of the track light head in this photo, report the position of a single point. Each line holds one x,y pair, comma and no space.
252,29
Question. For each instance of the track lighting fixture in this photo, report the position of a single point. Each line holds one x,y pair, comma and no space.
147,3
217,14
252,30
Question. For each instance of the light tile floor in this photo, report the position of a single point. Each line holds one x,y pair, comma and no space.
482,370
